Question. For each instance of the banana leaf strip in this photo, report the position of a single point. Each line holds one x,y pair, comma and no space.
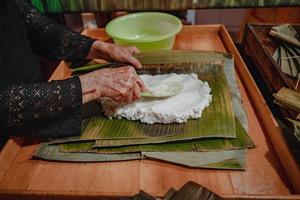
171,192
192,191
214,144
232,159
287,38
288,51
296,125
288,98
238,107
201,145
51,152
286,29
293,59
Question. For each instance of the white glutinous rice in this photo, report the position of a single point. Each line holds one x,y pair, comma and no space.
189,103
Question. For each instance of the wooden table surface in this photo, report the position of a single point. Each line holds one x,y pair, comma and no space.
264,176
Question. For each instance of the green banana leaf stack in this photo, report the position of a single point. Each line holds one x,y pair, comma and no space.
217,140
287,54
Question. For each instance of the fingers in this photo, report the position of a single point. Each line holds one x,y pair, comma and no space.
134,62
130,58
132,90
133,50
136,92
129,96
121,84
115,52
137,79
141,84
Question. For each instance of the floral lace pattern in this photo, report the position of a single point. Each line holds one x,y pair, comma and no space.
36,105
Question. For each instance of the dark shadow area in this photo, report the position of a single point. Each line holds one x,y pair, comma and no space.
288,134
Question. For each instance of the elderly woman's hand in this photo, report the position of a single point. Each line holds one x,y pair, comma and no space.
121,84
114,52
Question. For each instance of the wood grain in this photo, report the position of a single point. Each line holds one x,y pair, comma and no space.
267,120
264,176
8,155
106,178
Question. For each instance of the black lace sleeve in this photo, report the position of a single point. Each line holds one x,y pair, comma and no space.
42,109
50,39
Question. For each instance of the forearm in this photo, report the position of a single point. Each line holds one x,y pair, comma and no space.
42,106
88,87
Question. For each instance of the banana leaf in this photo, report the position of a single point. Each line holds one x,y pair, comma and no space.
185,56
204,57
287,53
51,152
286,64
236,97
287,38
294,60
191,191
178,57
217,120
296,125
228,65
286,29
142,196
232,159
242,141
171,192
288,98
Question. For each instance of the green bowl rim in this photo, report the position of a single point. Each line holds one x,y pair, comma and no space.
165,36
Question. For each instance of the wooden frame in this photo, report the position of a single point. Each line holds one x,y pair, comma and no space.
271,172
260,47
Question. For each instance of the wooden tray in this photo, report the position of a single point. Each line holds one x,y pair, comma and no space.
271,171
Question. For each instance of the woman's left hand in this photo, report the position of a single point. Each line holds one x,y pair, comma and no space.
113,52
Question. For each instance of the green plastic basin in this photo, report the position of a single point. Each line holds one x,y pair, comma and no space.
148,31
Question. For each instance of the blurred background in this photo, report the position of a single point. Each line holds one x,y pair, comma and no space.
79,14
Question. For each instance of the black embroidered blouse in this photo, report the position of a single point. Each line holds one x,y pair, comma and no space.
28,106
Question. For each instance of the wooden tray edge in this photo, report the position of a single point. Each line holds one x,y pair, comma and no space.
264,114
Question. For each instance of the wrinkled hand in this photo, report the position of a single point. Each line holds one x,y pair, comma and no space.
121,84
113,52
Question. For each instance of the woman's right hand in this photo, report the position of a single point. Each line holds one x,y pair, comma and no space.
120,84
